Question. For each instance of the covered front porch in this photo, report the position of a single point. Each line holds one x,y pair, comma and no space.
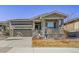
49,24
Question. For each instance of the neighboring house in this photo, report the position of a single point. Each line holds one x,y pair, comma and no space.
72,27
2,26
4,29
51,22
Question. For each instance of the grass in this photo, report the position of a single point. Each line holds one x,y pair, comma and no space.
55,43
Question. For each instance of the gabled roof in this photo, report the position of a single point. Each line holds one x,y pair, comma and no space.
20,20
49,13
73,20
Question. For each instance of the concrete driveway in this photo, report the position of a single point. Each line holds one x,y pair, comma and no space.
19,42
11,42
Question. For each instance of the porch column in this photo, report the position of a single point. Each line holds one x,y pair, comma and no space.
57,24
43,27
11,29
33,25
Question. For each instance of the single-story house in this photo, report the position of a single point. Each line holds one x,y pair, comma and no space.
51,22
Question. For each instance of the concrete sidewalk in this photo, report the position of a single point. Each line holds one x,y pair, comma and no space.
44,50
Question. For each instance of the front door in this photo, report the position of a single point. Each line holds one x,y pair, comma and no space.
38,25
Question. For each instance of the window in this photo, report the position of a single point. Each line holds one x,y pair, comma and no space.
50,24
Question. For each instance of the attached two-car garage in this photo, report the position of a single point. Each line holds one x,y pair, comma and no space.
21,28
22,32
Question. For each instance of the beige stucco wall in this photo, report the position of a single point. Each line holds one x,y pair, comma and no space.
69,27
72,27
77,26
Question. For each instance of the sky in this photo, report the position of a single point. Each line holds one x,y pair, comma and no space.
8,12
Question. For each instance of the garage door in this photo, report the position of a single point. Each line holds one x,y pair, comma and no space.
22,32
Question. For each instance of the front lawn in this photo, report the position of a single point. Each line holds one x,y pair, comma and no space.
55,43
